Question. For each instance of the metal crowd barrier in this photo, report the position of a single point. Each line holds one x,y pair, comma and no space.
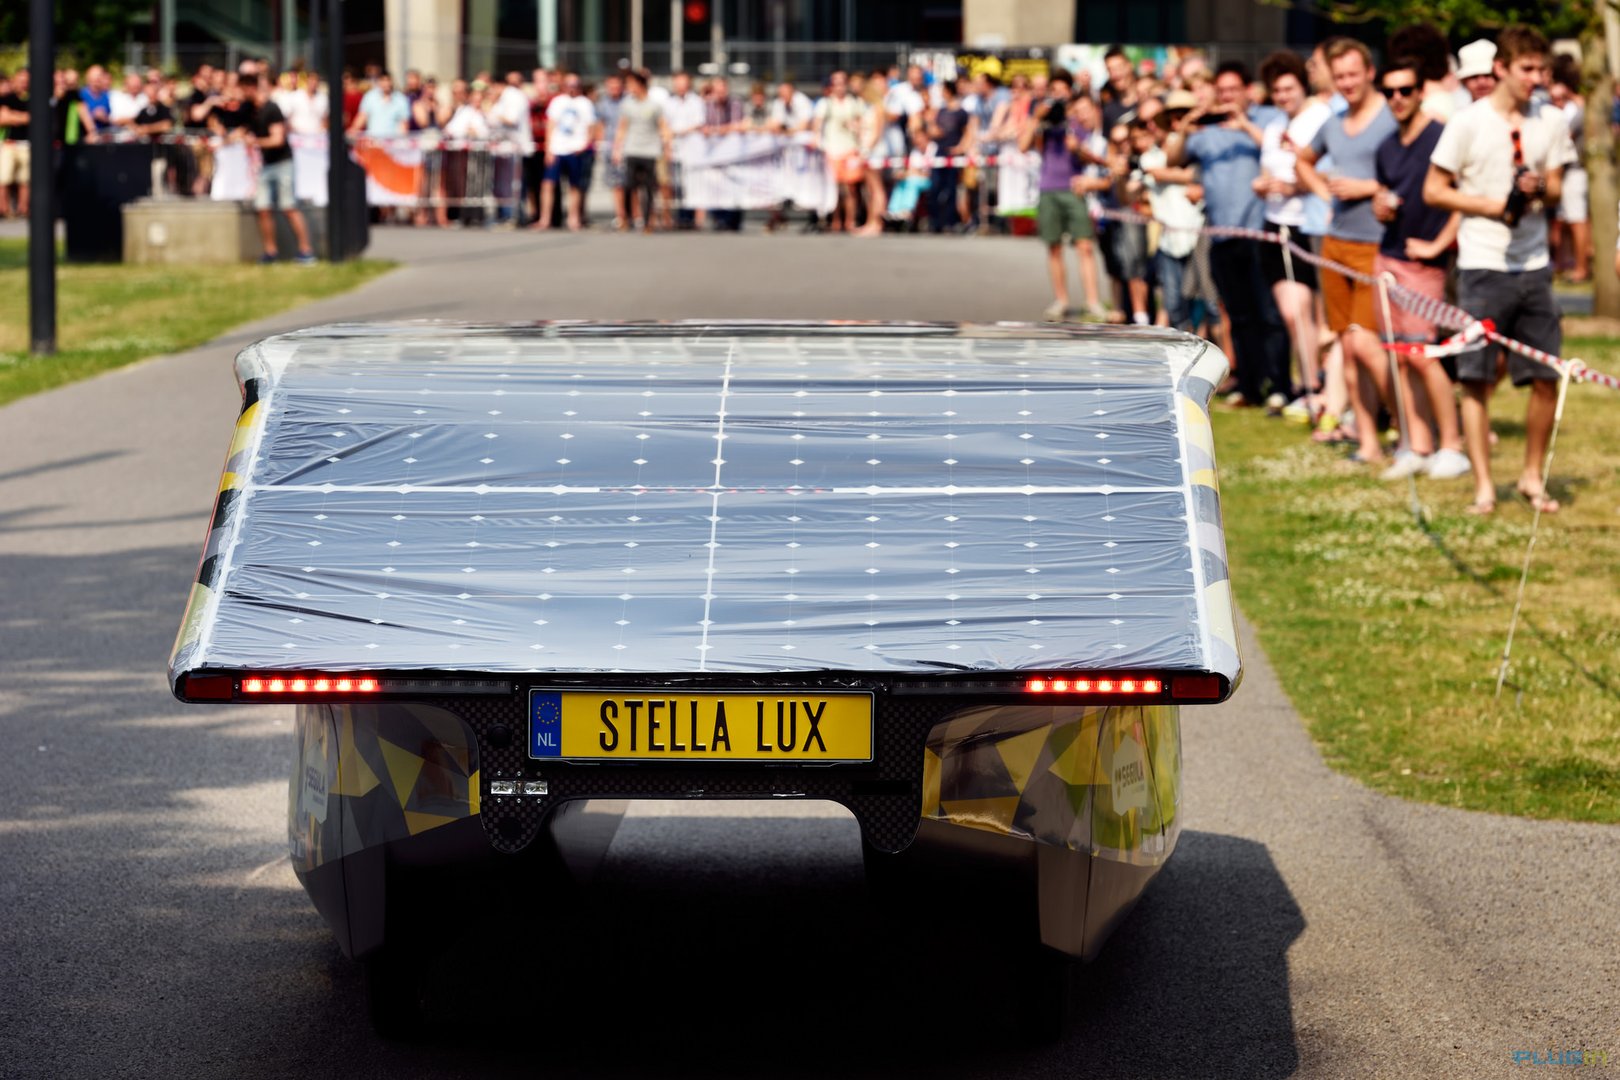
478,178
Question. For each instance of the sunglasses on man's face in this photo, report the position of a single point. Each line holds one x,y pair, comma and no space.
1400,91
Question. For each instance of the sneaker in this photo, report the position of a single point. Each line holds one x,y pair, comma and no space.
1448,465
1406,464
1054,312
305,258
268,258
1297,412
1235,400
1275,404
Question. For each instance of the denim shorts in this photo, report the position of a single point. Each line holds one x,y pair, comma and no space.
275,187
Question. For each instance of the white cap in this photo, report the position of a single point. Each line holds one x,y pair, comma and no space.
1476,58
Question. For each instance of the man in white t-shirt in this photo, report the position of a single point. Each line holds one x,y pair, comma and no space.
790,112
1500,162
685,113
126,104
571,131
508,113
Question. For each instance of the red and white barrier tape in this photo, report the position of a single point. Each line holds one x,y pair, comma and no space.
1473,332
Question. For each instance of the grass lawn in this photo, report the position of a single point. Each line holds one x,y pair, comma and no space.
1387,634
111,315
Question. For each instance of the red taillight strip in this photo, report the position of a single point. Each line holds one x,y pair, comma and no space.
1123,685
306,684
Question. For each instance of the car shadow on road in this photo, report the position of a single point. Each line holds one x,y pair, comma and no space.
685,958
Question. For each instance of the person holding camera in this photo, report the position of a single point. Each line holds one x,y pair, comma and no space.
1061,209
1224,140
1500,162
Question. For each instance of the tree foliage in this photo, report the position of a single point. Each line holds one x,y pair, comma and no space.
92,31
1458,18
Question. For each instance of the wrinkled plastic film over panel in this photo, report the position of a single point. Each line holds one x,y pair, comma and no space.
686,498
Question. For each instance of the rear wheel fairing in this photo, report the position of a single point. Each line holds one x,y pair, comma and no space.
1095,791
1099,779
366,775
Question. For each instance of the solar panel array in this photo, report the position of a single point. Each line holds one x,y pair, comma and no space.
720,499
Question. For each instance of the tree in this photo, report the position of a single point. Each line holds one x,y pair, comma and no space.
1582,19
93,30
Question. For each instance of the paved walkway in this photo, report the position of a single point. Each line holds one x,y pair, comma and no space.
1306,926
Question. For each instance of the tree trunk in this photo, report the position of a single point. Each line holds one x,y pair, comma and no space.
1597,78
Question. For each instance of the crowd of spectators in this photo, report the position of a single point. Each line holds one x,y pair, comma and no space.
1428,167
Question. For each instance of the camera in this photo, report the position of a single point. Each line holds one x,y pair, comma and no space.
1054,114
1517,200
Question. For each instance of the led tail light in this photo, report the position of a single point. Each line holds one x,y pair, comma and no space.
1095,685
310,684
316,685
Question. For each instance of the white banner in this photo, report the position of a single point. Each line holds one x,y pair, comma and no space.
1019,180
754,171
310,166
234,174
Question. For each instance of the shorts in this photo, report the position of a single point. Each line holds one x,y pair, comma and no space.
1572,205
1273,269
849,168
569,166
613,175
1129,241
1419,277
275,187
1349,303
1062,213
641,173
14,161
1522,307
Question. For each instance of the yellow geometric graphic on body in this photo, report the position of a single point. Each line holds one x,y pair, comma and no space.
420,823
931,764
992,815
474,793
1076,765
403,769
1019,752
354,777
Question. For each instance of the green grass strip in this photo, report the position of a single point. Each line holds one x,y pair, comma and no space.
1386,633
112,315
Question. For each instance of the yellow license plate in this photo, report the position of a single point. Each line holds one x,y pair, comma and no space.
778,727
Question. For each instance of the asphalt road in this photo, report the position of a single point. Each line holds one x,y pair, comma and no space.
150,924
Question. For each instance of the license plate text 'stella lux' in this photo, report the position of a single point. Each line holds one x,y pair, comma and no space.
627,725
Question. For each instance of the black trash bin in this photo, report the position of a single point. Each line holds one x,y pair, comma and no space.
97,180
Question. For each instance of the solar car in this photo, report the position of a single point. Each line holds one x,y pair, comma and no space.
959,579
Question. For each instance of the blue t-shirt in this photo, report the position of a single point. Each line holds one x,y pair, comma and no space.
1402,170
1356,157
100,106
386,114
1231,161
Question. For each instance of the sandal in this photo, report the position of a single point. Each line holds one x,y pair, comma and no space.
1539,501
1481,507
1331,432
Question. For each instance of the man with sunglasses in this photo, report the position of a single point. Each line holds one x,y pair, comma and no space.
1499,163
1414,252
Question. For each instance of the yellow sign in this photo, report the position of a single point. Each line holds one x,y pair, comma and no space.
780,727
